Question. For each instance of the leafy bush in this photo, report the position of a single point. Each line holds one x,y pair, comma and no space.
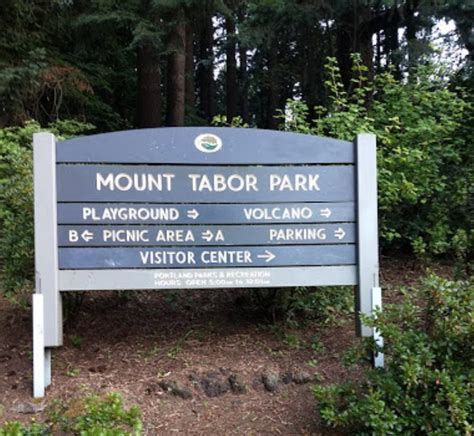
16,202
104,416
427,386
425,147
295,306
15,428
87,417
324,304
221,121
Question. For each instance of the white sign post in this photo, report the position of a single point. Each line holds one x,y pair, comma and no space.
47,308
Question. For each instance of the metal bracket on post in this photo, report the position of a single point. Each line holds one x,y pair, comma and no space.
46,261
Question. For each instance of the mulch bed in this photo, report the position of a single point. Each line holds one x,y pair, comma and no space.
196,362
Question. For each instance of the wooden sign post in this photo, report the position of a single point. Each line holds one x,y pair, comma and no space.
183,208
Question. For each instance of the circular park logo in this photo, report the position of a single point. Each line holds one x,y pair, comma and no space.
208,143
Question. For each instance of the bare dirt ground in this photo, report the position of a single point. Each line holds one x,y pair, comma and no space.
192,360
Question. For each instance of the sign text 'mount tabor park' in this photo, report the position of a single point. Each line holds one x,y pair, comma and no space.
201,208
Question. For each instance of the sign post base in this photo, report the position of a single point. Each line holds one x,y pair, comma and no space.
378,357
39,356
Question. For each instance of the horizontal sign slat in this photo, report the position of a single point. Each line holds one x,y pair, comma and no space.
97,236
204,184
112,258
129,213
89,280
177,145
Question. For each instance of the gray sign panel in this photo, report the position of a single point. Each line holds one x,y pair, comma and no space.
160,213
207,278
204,184
177,145
208,257
97,236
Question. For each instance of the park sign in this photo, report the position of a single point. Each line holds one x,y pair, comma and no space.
199,207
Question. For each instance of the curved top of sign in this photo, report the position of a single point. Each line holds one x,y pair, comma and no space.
205,145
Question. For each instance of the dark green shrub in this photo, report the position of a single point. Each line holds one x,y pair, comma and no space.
15,428
427,385
91,416
16,203
105,416
325,304
297,305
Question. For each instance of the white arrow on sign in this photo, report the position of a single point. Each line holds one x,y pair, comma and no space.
267,256
87,236
193,214
339,233
326,212
207,235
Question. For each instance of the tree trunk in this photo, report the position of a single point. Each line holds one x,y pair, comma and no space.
312,80
189,67
465,32
412,28
260,100
149,90
231,70
344,46
272,102
392,43
176,78
205,70
244,84
366,50
364,31
378,54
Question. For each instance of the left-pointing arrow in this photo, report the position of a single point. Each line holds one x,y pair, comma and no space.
87,236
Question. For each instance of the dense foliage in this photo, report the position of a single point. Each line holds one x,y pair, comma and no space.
146,63
424,133
86,416
295,307
16,202
427,385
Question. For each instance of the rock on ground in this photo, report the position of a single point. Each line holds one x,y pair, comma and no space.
301,377
176,389
270,380
214,384
237,385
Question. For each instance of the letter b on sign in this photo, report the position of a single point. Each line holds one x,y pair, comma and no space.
73,236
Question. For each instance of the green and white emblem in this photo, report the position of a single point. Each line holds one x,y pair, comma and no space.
208,143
